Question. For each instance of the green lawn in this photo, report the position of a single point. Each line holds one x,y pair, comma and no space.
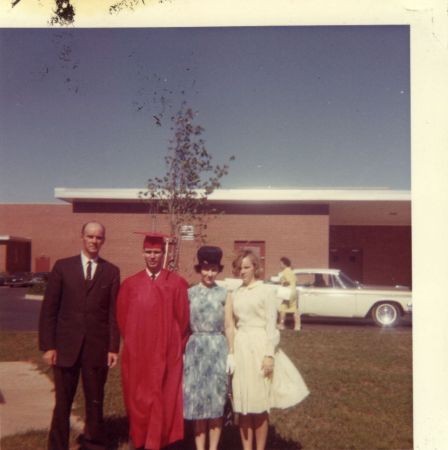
361,389
360,381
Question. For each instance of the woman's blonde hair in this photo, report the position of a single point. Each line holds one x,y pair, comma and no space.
254,259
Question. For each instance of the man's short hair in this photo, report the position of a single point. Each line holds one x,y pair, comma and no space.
83,229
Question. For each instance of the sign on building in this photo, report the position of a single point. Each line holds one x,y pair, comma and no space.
187,232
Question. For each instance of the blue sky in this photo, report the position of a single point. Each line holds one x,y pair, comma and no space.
299,107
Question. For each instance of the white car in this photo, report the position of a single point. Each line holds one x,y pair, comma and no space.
331,293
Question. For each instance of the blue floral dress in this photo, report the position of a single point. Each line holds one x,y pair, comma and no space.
205,378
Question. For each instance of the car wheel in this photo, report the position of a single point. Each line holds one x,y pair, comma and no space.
386,314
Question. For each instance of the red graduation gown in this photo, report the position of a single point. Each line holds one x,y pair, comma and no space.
153,317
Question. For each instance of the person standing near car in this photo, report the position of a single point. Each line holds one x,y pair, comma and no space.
290,305
78,334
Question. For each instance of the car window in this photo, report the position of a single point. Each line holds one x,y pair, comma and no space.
321,280
304,279
337,282
318,280
346,282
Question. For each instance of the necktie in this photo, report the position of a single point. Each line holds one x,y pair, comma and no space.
89,271
153,276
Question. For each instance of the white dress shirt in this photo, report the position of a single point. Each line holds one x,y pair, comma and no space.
151,275
84,261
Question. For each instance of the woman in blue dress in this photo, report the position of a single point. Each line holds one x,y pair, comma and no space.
205,366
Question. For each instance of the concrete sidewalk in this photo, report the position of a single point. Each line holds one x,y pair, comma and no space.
26,399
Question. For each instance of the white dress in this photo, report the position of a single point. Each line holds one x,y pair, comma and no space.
256,336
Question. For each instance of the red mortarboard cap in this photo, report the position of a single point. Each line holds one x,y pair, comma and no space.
153,239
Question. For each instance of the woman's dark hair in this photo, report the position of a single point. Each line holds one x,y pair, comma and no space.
198,267
286,261
209,256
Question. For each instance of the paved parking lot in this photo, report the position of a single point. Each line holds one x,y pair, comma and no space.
19,314
16,313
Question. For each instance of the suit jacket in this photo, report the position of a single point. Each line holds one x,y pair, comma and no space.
76,313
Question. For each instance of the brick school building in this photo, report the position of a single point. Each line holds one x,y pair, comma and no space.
366,233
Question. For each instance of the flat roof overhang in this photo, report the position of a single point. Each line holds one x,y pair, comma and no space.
346,206
7,238
243,195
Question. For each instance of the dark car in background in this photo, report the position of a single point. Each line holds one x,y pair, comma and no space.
19,279
26,279
40,277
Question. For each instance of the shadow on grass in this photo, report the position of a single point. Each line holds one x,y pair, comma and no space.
117,429
117,436
230,440
116,432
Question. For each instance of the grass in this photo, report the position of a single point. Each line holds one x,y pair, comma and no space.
19,346
360,381
37,288
361,389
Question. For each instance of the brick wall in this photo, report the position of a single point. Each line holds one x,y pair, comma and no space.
301,235
387,251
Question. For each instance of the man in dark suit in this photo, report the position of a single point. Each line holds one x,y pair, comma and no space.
78,334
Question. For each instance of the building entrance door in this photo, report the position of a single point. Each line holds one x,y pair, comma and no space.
257,247
349,260
18,257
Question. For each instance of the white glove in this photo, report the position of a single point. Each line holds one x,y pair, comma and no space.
230,364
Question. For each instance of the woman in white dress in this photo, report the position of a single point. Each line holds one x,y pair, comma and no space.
263,376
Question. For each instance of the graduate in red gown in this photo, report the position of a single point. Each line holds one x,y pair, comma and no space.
153,318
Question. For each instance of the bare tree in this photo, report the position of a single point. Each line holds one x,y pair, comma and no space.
191,176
